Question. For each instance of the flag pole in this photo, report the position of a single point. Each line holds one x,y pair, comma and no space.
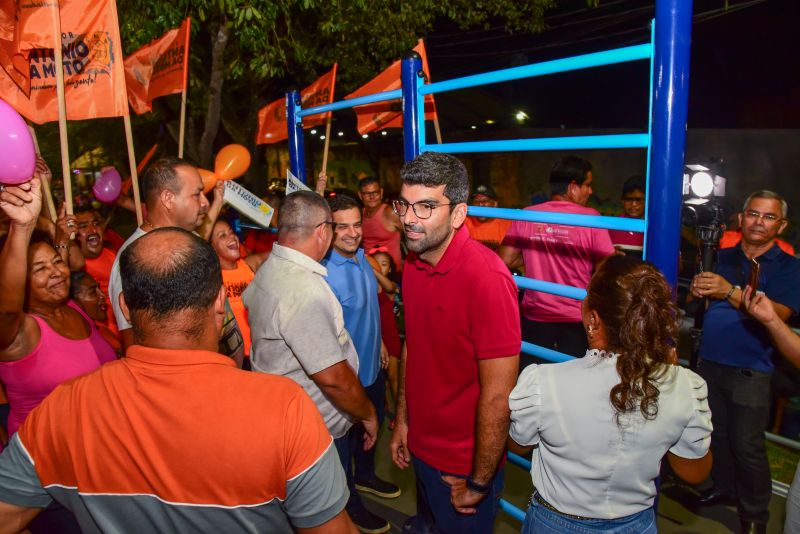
48,195
182,133
137,202
437,130
327,146
62,110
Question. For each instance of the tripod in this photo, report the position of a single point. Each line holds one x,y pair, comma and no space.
707,247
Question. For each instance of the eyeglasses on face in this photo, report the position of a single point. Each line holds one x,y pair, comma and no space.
766,217
371,194
423,210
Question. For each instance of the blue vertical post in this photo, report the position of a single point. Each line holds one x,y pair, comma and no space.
670,103
297,155
409,70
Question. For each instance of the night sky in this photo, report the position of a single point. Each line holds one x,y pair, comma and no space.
745,68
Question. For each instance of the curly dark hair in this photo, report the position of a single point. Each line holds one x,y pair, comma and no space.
634,302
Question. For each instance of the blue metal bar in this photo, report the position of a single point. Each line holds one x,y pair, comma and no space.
519,461
351,102
297,154
596,59
639,140
546,354
569,219
647,189
409,69
512,510
671,64
552,288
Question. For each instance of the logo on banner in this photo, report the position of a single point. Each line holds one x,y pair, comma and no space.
85,58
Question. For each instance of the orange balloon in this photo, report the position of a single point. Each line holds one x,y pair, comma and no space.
209,179
231,162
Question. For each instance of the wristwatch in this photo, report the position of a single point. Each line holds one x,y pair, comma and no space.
474,487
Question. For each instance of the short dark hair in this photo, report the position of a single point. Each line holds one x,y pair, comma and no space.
343,202
634,183
567,170
299,212
367,180
161,175
187,279
432,169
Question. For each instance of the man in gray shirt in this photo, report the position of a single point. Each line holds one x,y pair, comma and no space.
297,325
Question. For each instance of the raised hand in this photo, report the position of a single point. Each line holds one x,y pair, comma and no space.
22,202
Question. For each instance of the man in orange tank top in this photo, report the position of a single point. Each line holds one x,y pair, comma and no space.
381,225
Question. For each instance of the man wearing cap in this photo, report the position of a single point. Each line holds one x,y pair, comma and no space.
488,231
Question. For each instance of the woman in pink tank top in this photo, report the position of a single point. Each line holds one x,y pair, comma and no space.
380,224
45,339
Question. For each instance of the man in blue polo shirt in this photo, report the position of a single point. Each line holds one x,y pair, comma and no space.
353,282
736,357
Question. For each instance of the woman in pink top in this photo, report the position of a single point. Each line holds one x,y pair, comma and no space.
45,339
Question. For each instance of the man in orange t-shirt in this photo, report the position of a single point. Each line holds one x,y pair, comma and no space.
488,231
99,259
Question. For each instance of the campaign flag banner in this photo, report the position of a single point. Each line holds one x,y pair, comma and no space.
158,68
294,184
94,78
380,115
272,126
247,203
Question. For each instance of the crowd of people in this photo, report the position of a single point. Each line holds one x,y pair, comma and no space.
242,385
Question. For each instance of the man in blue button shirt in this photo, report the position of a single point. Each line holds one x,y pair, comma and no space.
353,282
736,357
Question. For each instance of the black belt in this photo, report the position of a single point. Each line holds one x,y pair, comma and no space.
539,499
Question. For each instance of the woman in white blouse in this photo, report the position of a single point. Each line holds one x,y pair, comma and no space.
603,423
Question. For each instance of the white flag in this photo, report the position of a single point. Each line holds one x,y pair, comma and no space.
294,184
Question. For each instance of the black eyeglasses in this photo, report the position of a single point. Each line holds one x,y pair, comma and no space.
423,210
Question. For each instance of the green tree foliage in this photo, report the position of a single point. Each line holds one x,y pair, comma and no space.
245,53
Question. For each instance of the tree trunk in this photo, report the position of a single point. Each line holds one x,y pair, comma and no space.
206,145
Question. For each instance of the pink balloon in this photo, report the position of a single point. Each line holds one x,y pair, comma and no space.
17,155
108,186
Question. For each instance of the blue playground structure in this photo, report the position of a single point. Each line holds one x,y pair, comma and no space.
665,140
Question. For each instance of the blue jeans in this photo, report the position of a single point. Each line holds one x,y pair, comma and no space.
540,520
435,513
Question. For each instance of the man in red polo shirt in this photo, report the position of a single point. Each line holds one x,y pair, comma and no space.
461,357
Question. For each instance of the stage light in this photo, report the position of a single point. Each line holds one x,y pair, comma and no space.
364,136
322,137
700,181
340,134
489,121
521,116
314,132
384,132
473,127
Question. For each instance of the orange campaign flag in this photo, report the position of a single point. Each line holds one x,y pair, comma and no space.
380,115
272,126
94,82
159,68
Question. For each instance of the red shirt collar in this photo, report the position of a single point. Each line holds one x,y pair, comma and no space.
450,257
155,356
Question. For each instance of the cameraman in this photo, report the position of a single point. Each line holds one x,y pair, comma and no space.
736,357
